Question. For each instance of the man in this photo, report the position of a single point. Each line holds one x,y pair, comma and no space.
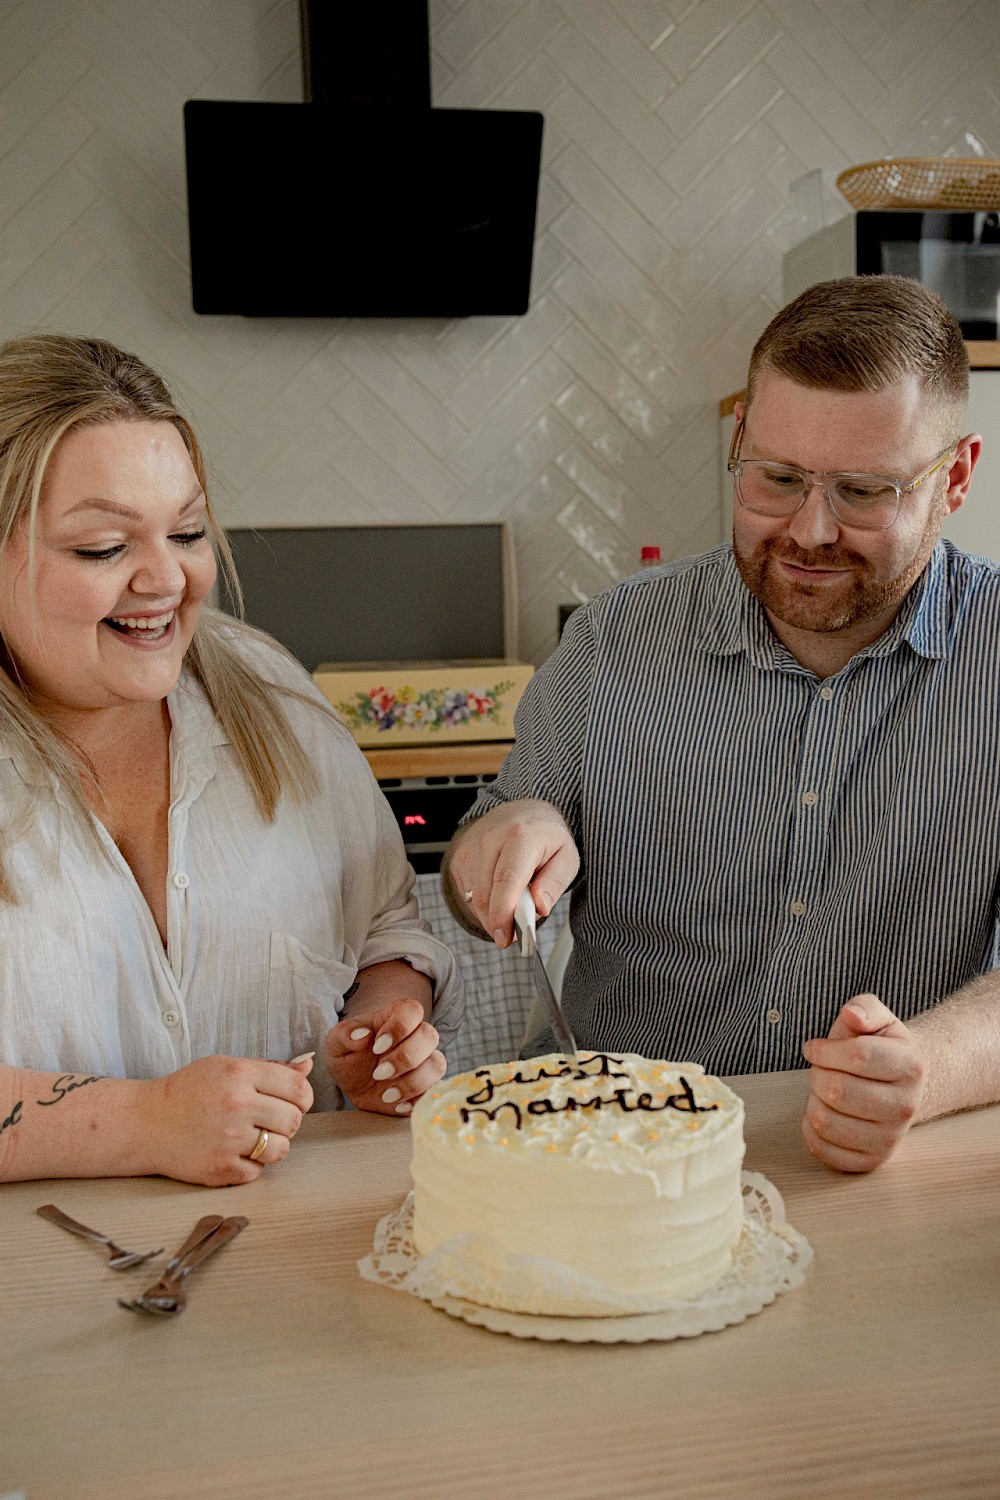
775,768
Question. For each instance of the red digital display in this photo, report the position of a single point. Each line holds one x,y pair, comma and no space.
414,818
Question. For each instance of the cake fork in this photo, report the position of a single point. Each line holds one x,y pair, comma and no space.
118,1259
169,1295
201,1231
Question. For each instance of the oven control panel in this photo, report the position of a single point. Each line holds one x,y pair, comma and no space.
428,810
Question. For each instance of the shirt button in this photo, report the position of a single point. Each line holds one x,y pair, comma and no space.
182,881
797,909
826,694
171,1017
810,799
773,1017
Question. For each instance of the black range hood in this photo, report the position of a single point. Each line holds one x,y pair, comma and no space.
364,201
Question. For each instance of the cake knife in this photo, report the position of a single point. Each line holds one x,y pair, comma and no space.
525,925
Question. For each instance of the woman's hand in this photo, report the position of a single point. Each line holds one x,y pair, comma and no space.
205,1119
385,1057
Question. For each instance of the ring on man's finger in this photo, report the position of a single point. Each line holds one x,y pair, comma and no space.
469,895
260,1148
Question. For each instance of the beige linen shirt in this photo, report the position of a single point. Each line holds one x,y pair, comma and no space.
267,923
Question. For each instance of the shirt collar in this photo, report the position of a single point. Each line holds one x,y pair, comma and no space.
30,776
923,622
737,621
195,731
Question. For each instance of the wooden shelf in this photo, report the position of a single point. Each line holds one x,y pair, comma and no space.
483,759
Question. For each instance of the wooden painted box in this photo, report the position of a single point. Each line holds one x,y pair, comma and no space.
425,702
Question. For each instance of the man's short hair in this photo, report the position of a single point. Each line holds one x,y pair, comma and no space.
864,333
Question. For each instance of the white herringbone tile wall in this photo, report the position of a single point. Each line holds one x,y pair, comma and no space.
673,131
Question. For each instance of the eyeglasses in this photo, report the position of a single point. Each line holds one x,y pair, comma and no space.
866,502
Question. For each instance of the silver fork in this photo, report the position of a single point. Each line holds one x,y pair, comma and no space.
118,1259
201,1231
169,1295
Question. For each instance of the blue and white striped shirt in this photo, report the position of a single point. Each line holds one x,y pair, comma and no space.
758,845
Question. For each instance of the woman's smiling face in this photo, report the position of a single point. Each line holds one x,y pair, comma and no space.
122,564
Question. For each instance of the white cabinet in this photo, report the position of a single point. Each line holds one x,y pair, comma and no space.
727,426
975,526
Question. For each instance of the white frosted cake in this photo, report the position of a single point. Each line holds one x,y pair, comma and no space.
594,1184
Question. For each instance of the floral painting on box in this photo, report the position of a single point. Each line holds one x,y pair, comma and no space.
385,709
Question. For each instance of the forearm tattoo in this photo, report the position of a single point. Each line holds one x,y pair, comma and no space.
14,1118
63,1085
66,1084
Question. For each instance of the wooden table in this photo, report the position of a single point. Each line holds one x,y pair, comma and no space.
290,1376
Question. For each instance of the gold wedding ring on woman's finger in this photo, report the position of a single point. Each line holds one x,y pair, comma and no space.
260,1148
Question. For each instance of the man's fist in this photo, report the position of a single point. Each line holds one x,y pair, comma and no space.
868,1081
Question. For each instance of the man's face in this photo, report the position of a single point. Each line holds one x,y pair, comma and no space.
809,571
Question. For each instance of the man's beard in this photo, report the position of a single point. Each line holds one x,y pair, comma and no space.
822,607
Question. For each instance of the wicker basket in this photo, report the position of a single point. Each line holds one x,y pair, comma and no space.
960,184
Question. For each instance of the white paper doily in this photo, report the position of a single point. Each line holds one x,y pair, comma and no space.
770,1258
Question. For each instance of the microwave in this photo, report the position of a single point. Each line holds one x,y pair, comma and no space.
956,254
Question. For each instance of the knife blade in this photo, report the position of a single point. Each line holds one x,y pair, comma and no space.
525,920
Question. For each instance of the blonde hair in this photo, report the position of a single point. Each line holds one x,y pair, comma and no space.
51,384
865,333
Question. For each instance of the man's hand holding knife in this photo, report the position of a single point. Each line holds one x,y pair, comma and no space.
524,845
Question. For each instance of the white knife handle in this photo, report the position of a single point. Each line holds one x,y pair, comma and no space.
524,919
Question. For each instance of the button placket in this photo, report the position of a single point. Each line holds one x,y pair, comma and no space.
802,891
771,1021
815,774
814,793
179,887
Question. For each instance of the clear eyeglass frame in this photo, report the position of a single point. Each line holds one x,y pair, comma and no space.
829,483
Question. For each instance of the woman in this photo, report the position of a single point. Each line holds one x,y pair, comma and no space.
196,865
